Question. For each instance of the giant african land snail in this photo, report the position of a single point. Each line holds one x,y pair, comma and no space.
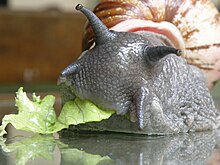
138,74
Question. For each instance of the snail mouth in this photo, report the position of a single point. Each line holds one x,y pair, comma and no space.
164,28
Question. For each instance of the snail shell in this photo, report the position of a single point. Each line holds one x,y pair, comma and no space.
197,22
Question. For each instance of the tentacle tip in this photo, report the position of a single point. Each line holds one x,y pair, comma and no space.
79,7
63,73
179,52
61,79
140,125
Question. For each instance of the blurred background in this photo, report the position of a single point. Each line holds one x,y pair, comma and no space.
38,39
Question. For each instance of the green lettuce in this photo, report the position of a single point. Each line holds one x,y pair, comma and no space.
38,115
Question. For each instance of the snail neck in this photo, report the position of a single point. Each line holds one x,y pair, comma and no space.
166,31
156,38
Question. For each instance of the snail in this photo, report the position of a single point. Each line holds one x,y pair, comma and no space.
142,77
191,25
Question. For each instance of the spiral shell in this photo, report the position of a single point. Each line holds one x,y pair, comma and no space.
198,21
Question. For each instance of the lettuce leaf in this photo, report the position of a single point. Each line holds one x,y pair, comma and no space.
38,116
82,111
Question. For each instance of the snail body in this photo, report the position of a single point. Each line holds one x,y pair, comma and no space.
192,26
136,74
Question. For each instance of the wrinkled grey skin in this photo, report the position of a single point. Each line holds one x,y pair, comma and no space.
127,72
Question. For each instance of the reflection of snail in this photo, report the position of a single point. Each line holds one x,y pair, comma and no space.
194,148
197,27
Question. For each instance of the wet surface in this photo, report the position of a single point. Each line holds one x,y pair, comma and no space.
106,148
115,149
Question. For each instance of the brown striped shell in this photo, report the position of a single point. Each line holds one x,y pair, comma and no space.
197,20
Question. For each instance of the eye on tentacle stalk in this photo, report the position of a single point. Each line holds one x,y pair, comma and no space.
101,32
153,54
